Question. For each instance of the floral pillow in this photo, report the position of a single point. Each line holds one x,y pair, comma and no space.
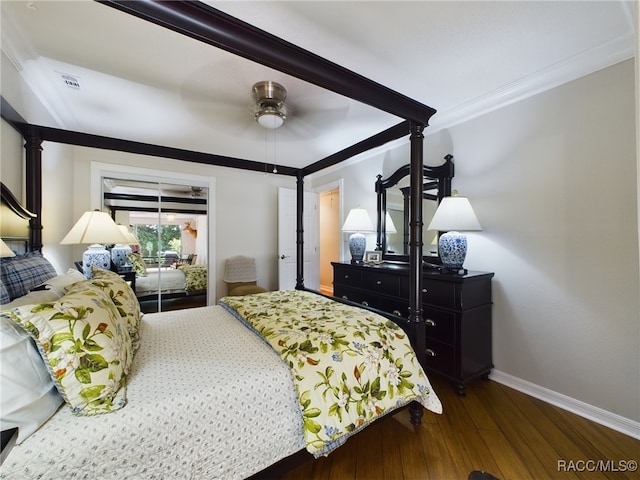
85,345
137,263
195,277
122,297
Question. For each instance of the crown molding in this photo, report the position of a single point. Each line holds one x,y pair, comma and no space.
590,61
585,63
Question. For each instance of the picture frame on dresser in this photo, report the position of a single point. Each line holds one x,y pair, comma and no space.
374,257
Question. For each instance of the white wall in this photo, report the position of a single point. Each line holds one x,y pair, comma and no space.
243,208
56,206
553,182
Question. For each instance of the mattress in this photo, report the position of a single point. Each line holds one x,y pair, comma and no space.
207,399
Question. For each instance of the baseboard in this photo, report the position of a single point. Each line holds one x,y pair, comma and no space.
326,289
596,414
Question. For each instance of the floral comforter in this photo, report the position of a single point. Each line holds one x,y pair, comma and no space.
350,366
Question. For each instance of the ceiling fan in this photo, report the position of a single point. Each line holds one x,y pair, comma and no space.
270,111
236,100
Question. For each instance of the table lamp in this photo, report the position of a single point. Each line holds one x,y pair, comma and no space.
357,221
454,214
120,251
95,228
5,251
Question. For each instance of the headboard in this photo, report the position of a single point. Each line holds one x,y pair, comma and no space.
14,222
28,269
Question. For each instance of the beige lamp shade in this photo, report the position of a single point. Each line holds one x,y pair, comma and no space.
389,225
94,227
5,251
357,221
454,213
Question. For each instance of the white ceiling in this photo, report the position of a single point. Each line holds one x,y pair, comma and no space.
141,82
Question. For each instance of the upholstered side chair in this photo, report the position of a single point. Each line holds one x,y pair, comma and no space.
240,276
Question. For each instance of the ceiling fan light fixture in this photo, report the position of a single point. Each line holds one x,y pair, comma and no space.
270,109
270,118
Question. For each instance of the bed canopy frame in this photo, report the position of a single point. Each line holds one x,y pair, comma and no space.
209,25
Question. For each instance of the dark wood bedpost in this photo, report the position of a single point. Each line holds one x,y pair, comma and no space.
33,149
415,254
299,231
381,221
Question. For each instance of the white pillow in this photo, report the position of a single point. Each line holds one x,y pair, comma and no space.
34,297
28,396
62,282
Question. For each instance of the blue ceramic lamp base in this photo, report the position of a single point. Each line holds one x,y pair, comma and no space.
452,248
357,246
95,256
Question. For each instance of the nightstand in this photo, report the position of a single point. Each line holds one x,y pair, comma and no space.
129,275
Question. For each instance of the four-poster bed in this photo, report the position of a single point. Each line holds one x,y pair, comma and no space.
211,26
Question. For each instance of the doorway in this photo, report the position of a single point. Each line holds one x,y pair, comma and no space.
330,215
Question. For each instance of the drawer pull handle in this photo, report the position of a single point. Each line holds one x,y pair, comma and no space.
379,282
345,297
430,323
397,313
346,276
425,290
365,303
430,353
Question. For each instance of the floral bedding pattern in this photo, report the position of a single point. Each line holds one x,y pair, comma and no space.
85,345
137,263
195,277
350,366
121,295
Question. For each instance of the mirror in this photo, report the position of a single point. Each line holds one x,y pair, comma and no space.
169,221
393,209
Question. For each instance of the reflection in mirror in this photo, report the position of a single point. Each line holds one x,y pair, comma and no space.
393,209
169,222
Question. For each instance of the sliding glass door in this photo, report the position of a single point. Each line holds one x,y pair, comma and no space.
169,222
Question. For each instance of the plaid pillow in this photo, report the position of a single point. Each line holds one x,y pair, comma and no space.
4,294
21,273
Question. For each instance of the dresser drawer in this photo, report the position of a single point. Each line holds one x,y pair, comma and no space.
387,304
440,325
347,276
347,293
380,282
439,293
440,357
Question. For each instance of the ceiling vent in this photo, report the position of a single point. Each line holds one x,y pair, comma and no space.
70,81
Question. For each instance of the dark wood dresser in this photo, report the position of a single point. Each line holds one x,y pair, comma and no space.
456,311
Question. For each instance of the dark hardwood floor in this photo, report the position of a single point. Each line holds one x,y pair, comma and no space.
494,429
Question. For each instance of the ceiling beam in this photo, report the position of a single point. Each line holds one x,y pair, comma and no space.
81,139
209,25
393,133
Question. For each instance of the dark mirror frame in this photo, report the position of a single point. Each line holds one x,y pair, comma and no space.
439,177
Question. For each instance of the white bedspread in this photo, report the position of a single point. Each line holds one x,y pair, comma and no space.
207,399
167,280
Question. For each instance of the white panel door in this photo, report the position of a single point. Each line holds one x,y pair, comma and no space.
287,239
